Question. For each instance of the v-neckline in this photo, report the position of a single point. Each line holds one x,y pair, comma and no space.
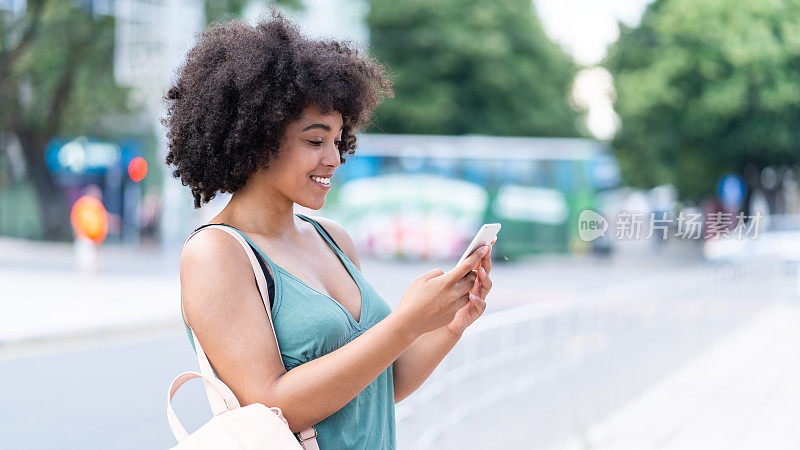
346,311
362,305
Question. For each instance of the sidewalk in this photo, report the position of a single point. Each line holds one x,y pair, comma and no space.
41,306
45,299
740,393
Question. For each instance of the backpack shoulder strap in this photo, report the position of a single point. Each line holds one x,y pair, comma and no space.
202,360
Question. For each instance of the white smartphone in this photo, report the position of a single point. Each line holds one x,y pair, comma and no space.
485,235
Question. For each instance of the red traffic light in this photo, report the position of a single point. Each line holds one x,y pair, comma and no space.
137,169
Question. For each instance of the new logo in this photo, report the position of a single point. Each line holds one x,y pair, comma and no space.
591,225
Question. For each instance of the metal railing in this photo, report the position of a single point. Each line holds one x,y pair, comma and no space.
534,375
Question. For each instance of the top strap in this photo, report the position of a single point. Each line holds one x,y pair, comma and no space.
322,231
260,252
252,244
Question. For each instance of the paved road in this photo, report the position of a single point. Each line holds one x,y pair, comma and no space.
109,397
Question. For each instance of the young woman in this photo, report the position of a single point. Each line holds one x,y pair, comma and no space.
268,115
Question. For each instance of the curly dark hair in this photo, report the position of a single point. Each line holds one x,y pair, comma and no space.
241,86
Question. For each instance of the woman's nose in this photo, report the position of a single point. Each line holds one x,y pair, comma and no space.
332,156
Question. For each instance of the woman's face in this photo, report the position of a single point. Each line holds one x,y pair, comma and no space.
307,157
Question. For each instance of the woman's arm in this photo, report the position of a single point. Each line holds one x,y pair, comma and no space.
223,307
225,310
418,361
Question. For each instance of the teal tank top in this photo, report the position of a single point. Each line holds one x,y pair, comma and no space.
310,324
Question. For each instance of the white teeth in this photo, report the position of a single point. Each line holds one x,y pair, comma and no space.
326,181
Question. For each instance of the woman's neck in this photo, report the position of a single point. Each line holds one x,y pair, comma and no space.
262,211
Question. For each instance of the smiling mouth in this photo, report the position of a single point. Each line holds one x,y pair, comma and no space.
322,182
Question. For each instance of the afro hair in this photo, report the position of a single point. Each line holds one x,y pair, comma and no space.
241,86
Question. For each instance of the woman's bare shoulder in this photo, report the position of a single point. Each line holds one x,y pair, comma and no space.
213,269
340,235
210,249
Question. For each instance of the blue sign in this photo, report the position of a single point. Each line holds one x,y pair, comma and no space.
86,155
731,191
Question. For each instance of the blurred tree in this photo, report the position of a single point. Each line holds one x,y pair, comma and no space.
705,88
55,78
477,66
221,10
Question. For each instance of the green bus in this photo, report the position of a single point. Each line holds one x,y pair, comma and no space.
423,197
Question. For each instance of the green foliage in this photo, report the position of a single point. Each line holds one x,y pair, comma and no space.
478,66
705,88
222,10
62,75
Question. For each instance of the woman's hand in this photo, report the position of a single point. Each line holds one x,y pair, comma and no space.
470,312
433,299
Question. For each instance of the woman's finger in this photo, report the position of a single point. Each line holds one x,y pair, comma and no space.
462,301
486,283
486,261
477,285
466,283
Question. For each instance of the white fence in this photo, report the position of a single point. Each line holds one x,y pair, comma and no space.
531,376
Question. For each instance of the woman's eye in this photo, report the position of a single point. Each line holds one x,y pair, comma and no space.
315,143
